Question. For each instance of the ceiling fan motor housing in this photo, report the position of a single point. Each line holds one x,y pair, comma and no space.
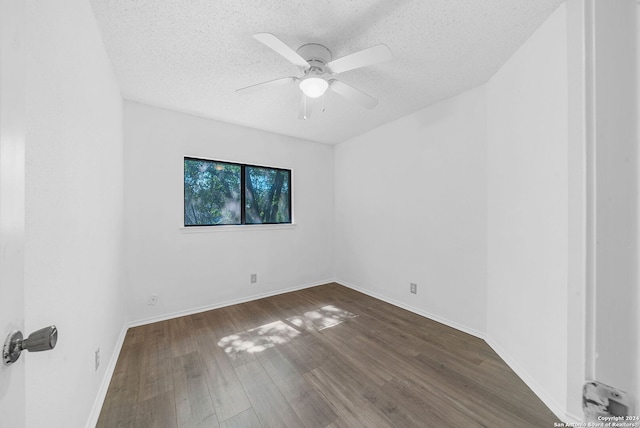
316,55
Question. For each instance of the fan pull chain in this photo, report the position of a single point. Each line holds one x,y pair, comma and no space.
324,97
305,107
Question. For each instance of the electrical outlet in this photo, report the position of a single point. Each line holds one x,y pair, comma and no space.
153,299
413,287
254,278
97,358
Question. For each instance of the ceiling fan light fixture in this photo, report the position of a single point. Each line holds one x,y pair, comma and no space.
314,87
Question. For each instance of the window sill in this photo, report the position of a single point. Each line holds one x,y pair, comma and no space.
236,228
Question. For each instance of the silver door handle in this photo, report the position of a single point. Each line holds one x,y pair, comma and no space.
40,340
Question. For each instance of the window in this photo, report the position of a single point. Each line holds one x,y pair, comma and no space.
267,195
225,193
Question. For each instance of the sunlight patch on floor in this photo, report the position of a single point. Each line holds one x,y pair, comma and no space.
319,319
258,339
280,332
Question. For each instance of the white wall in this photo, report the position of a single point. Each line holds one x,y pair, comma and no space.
74,210
527,211
637,321
411,207
577,273
190,270
12,144
616,194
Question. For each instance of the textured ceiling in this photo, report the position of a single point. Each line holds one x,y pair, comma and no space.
191,55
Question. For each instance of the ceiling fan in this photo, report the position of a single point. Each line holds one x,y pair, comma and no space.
316,62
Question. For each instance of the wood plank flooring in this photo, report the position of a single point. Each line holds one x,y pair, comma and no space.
326,356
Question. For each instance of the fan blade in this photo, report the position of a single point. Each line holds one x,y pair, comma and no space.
276,82
280,47
352,94
369,56
305,108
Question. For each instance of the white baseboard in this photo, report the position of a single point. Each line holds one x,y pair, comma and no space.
417,311
526,378
106,380
556,408
572,420
205,308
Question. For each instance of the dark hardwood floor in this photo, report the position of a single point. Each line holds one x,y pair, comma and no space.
326,356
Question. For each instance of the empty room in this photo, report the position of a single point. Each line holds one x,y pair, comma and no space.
365,213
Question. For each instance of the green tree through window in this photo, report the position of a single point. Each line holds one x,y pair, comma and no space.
267,195
211,193
224,193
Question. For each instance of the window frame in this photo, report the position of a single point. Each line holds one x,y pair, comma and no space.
243,199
